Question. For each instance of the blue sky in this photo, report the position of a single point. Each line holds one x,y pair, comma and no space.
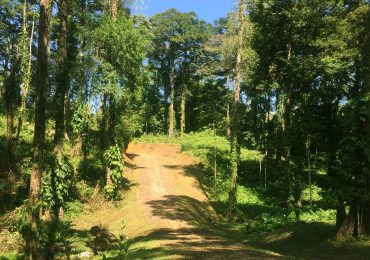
208,10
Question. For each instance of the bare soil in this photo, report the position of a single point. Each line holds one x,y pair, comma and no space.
165,210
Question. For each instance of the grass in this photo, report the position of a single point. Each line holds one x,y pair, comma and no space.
259,209
11,256
264,222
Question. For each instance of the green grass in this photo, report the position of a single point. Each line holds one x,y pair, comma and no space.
259,209
11,256
264,221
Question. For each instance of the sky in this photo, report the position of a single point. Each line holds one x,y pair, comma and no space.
208,10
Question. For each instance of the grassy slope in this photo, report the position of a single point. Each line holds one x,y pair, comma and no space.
265,222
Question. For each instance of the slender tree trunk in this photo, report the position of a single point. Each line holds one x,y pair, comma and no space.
111,133
112,107
228,130
235,127
62,80
112,120
286,127
67,116
171,129
26,83
309,171
27,58
164,82
267,135
104,121
183,110
39,132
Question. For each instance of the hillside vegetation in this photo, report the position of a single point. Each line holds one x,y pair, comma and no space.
245,137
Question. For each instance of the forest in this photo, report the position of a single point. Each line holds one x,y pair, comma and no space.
168,137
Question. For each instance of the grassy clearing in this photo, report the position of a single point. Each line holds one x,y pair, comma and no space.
260,209
264,220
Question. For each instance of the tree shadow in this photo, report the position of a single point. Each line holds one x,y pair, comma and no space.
133,166
98,239
180,208
126,184
298,239
196,239
174,167
195,171
192,243
132,156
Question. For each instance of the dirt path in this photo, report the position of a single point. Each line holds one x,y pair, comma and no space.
166,213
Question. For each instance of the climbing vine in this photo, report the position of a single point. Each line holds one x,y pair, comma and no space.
56,182
115,165
80,126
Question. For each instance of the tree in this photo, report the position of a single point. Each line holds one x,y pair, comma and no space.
178,40
235,122
62,78
122,43
10,71
39,131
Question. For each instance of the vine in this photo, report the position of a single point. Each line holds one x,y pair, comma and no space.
80,126
56,183
115,165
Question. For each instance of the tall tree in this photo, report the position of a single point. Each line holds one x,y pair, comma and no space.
62,78
178,43
235,123
40,125
10,67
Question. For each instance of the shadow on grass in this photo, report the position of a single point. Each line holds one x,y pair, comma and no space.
98,240
195,238
191,243
310,241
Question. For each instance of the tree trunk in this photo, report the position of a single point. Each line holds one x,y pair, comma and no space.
62,80
309,172
235,127
286,134
39,132
228,130
104,121
112,107
347,227
171,129
183,110
111,121
27,58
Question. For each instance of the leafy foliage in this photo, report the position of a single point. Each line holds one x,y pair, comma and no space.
114,161
56,183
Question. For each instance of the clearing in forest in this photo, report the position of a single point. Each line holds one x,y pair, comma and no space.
166,211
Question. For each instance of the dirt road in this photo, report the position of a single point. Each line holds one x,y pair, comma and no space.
166,212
